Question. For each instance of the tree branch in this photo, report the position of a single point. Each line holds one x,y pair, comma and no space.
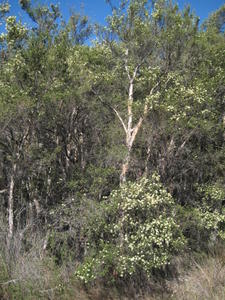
111,108
121,120
126,65
185,141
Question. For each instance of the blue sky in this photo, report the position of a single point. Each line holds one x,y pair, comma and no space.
97,10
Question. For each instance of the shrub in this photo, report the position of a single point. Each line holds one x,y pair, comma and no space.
204,223
212,210
134,231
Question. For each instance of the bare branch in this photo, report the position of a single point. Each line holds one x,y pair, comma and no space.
131,79
135,72
10,281
121,120
136,128
186,140
126,64
111,108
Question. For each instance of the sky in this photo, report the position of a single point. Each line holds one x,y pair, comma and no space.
97,10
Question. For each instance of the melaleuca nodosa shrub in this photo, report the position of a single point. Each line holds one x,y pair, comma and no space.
203,224
212,210
134,231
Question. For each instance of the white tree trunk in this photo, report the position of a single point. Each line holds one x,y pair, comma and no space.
11,204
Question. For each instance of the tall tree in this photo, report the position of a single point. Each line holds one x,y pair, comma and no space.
140,56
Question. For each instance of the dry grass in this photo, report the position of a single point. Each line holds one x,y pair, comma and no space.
41,280
205,280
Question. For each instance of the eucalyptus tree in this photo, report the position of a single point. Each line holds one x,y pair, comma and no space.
138,61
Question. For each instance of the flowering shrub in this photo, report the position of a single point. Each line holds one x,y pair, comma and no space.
204,223
212,210
135,230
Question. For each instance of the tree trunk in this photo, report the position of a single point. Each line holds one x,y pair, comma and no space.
224,125
131,134
10,205
146,171
125,168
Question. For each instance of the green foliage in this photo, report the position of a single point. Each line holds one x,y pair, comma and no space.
4,9
204,223
135,231
212,210
95,183
152,86
216,20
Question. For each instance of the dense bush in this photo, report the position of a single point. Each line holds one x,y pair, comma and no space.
204,224
212,210
135,231
84,123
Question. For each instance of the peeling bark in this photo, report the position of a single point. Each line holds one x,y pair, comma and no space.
125,168
130,130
